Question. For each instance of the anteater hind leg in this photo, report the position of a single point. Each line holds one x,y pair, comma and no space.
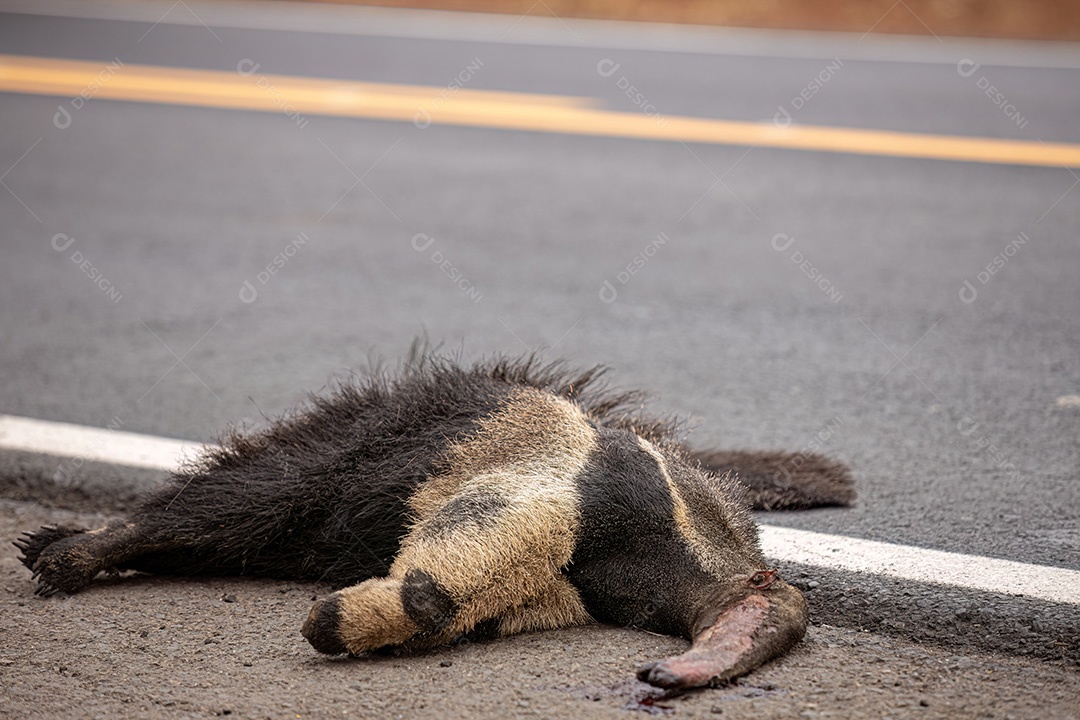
69,563
480,557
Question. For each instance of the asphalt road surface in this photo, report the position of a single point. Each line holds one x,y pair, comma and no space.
169,268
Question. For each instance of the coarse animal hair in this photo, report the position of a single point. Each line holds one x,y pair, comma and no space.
483,499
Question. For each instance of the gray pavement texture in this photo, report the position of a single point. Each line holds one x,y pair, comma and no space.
158,647
950,412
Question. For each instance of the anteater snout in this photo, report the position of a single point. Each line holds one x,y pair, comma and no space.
736,635
321,626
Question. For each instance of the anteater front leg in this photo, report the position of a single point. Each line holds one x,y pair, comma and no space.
65,559
483,555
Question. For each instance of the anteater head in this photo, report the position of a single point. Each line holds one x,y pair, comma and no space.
747,622
666,546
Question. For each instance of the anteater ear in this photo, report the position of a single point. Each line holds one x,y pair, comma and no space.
783,481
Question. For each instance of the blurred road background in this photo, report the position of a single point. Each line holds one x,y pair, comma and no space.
211,209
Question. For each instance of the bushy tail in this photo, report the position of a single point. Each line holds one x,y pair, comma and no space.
784,481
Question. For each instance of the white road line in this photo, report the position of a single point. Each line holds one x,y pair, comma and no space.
1058,585
95,444
554,32
976,572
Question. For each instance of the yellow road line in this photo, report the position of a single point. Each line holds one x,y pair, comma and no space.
489,109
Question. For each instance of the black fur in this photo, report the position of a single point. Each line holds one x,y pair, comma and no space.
321,626
426,603
784,481
475,509
629,565
485,630
321,493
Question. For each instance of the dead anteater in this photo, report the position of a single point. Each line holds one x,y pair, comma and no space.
479,501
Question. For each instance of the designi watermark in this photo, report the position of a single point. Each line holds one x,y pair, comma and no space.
421,242
608,292
791,465
248,291
783,116
61,243
781,242
62,118
247,68
967,68
968,292
65,472
607,68
969,429
422,118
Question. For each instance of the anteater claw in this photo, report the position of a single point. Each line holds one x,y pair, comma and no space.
508,496
643,671
33,544
45,589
